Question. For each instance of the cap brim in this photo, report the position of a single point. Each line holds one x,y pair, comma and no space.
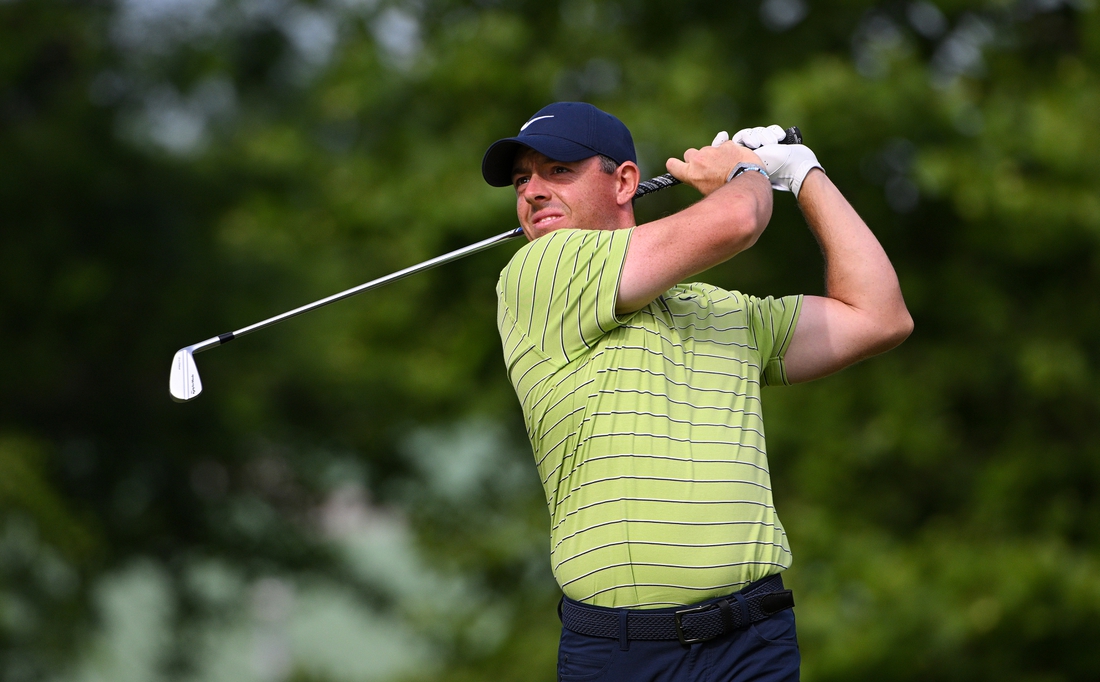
498,163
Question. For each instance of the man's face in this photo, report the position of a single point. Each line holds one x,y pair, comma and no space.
553,195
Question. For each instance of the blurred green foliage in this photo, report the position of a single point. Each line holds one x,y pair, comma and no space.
351,497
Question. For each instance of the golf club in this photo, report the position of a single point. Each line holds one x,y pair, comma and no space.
184,383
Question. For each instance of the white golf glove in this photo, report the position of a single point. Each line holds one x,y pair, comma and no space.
758,137
787,164
720,139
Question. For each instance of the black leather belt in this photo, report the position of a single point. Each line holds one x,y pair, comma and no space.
697,623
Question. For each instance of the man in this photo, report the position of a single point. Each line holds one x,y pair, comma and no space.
641,395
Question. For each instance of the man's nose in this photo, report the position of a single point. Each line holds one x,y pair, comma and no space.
535,189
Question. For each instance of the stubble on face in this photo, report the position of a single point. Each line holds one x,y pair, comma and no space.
554,195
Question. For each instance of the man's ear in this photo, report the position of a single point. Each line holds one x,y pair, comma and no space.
627,177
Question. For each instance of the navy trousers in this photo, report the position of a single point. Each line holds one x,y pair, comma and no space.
762,652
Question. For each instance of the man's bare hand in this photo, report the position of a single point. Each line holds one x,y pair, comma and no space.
706,169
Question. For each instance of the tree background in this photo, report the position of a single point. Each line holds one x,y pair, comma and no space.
352,498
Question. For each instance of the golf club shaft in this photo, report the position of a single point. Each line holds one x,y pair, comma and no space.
794,136
373,284
644,188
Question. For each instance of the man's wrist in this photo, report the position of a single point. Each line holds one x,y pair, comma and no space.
810,179
746,168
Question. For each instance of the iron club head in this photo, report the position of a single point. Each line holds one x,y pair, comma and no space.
184,383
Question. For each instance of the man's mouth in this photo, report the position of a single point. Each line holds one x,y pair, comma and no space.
546,220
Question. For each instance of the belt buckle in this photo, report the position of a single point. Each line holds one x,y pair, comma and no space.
678,618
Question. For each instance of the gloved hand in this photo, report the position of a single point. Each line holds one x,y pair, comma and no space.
758,137
787,165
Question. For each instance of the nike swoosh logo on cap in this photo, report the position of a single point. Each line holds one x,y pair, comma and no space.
533,120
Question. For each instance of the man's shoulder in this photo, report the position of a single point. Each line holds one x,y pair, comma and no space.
568,241
538,245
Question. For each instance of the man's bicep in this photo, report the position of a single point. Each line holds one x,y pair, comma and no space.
830,335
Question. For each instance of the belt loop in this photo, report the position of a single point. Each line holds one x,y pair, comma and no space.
744,608
624,632
727,616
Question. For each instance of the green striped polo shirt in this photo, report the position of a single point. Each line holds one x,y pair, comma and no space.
646,428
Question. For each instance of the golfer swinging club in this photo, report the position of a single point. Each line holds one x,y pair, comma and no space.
641,395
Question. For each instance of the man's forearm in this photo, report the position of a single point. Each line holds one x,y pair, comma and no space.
726,221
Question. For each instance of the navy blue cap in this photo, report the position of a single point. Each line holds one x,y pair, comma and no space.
563,131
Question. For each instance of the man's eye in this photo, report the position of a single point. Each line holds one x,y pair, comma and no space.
561,169
520,181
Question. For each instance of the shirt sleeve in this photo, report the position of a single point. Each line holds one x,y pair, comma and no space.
561,289
772,321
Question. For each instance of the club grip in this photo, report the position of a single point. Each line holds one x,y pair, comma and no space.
794,136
